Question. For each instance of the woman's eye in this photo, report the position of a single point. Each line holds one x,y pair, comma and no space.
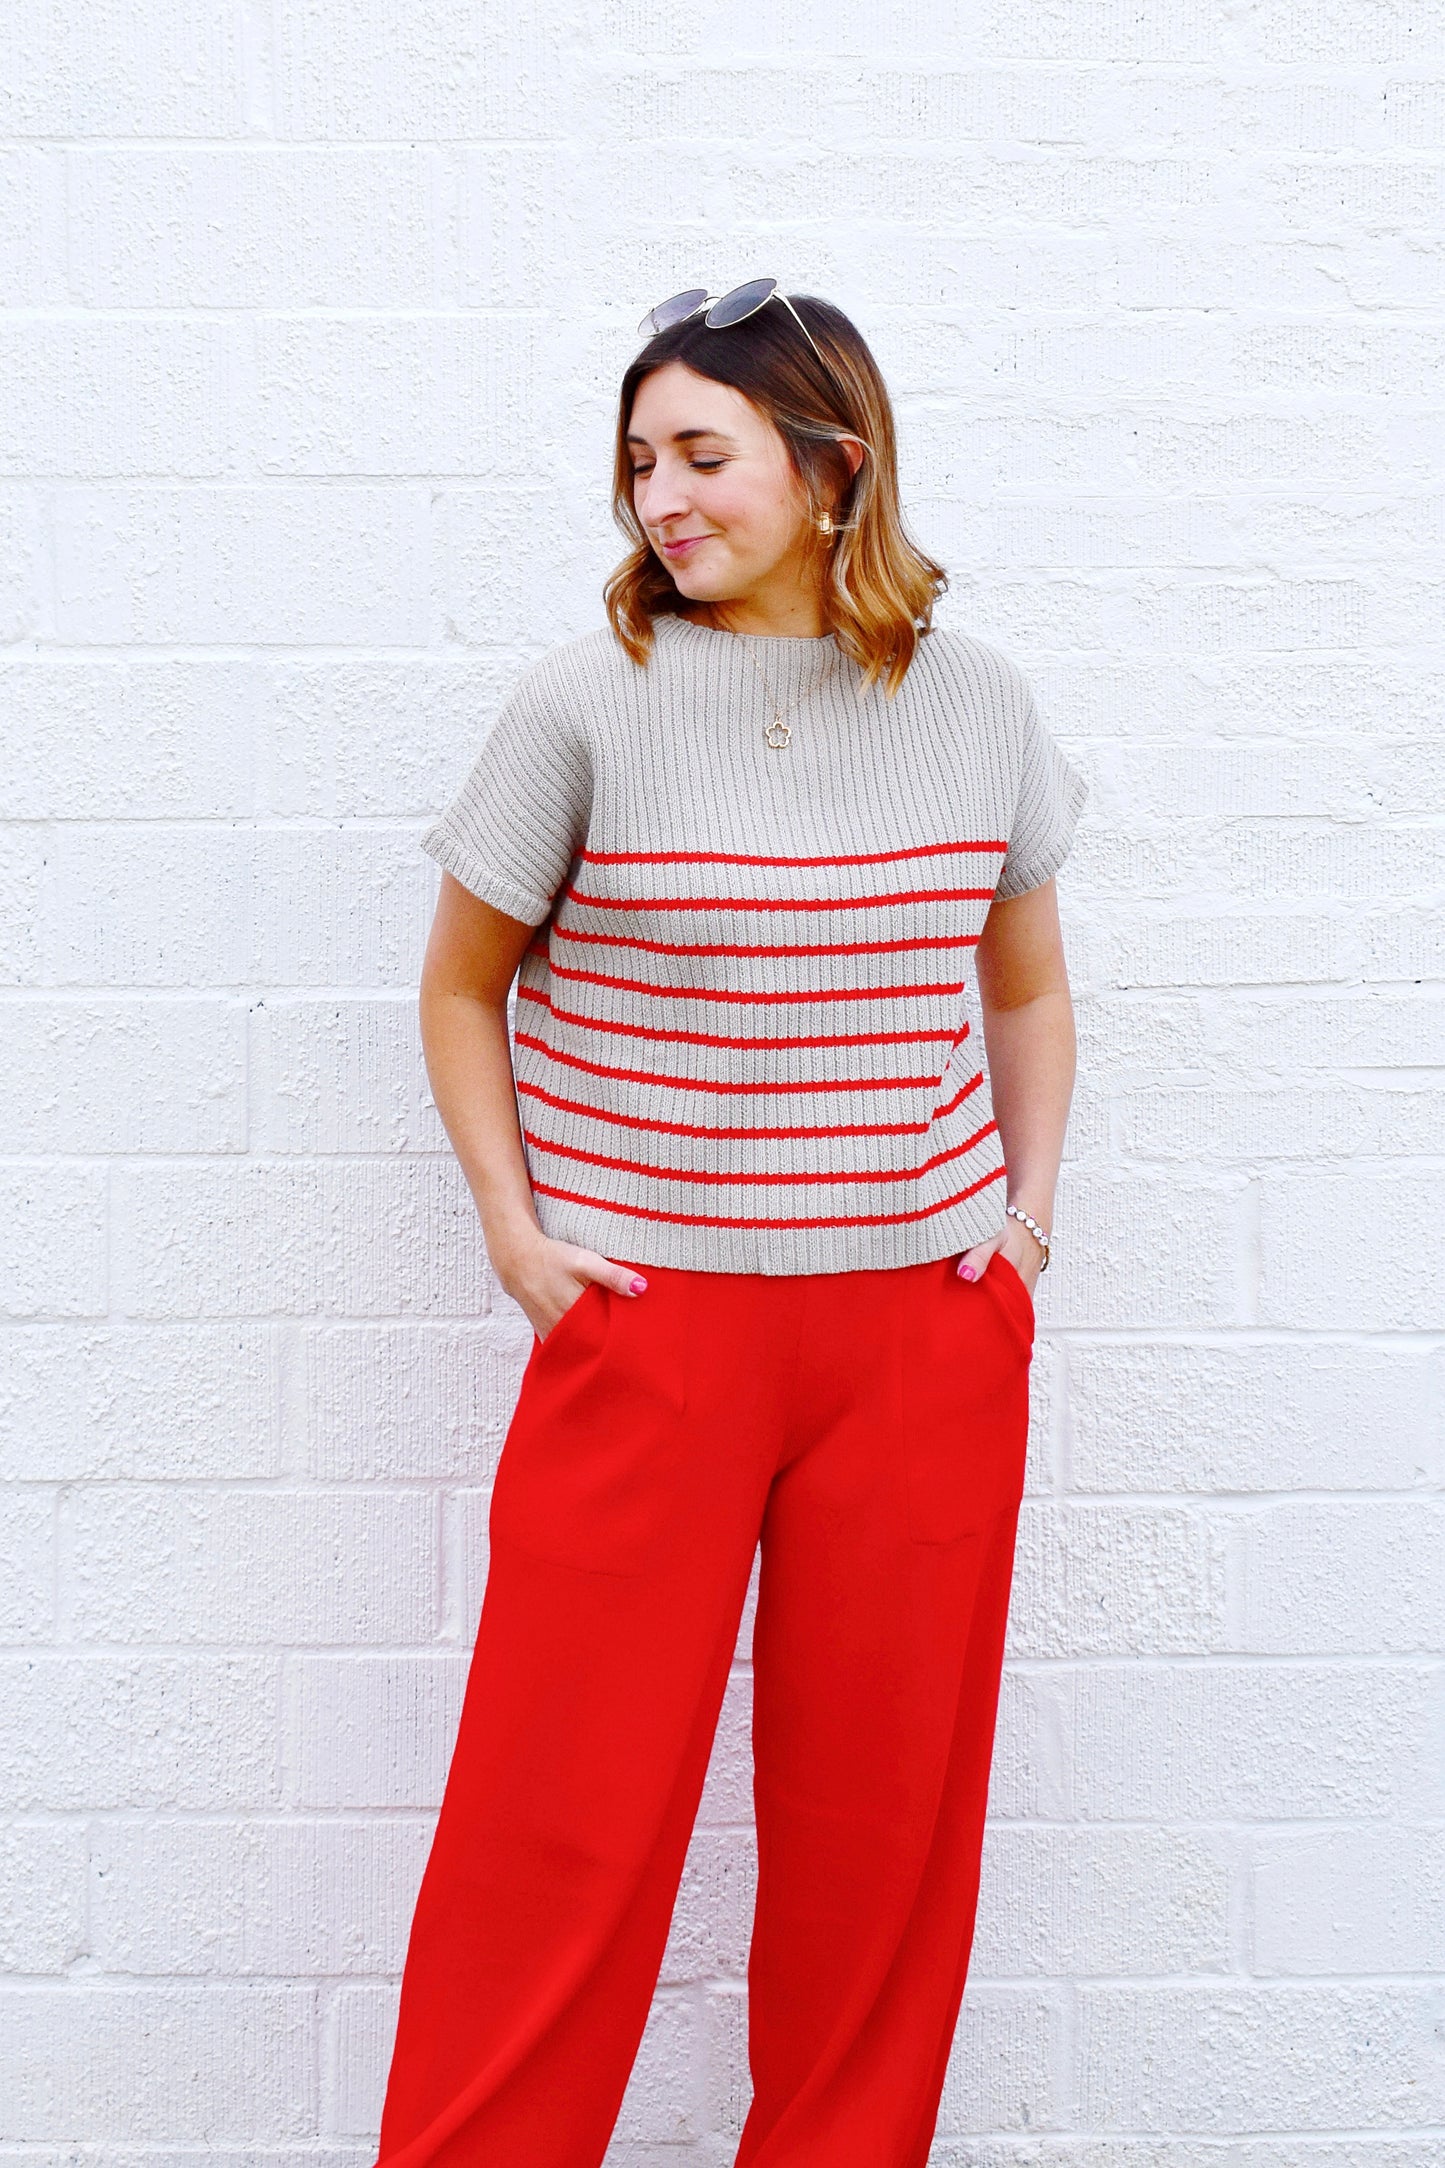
704,466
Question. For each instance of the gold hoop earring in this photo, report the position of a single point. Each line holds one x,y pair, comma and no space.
825,524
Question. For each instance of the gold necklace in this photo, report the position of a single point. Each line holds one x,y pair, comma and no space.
779,733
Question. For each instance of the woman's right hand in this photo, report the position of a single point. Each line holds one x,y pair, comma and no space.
548,1276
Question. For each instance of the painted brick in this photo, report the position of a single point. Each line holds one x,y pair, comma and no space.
24,561
1109,1580
1342,1901
209,564
1220,1741
1385,1232
357,1238
53,1253
28,1565
357,2057
416,395
158,2063
341,1076
375,739
403,1403
372,1731
1061,1902
124,1076
1354,1579
139,739
87,1731
43,1926
1290,1123
1218,2058
1371,1029
22,875
1105,1226
128,67
348,71
218,2155
317,312
1212,948
712,1922
1256,1414
1002,2070
150,1402
252,1568
32,220
492,546
466,1557
252,226
223,1899
178,382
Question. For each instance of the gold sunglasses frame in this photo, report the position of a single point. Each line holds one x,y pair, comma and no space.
712,301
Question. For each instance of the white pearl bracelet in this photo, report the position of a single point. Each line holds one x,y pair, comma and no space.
1034,1229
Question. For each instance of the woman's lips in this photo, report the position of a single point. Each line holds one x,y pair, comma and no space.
688,542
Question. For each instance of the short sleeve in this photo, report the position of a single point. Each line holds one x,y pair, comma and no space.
1051,792
512,830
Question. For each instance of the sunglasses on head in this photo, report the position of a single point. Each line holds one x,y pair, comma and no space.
730,308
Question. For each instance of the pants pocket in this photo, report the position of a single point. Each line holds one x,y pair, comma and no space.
591,1465
592,1289
964,1401
1009,1284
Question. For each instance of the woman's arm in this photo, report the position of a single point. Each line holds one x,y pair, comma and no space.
1028,1029
471,961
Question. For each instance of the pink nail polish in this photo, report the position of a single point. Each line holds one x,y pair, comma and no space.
966,1272
638,1286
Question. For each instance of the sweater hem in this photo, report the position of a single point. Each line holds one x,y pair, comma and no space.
776,1251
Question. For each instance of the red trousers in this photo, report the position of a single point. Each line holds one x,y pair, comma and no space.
868,1429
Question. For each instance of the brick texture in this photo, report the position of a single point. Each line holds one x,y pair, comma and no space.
315,314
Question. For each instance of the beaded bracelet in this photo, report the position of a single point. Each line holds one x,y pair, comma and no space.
1034,1229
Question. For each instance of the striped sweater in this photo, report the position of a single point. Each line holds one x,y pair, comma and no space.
745,1033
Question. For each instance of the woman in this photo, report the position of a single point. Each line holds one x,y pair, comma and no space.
777,1239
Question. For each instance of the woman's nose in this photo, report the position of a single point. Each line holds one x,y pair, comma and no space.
662,499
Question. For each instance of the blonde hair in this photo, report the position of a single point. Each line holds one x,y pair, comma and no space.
877,588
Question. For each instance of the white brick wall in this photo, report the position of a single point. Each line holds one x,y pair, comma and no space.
315,314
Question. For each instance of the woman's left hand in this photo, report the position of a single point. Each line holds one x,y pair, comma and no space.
1018,1246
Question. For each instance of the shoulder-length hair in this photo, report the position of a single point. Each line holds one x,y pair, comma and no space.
877,587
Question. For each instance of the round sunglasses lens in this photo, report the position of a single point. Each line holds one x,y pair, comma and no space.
673,311
739,303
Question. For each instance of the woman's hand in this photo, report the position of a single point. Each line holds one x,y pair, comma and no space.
547,1277
1017,1245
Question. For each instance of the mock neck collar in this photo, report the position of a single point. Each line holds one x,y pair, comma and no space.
779,646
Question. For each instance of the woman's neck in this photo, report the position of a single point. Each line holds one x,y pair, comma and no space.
798,620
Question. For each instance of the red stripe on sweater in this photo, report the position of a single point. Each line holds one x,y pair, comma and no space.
748,858
714,993
706,1219
710,1084
715,1038
744,948
775,903
701,1174
707,1129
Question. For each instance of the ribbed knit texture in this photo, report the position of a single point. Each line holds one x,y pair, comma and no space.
743,1037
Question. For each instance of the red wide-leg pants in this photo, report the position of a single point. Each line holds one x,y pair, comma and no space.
869,1429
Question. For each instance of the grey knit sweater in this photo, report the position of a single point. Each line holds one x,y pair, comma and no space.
742,1034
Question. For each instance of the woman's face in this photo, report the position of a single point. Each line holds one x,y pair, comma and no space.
712,473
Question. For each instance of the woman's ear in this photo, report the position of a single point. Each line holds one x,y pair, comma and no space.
853,450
